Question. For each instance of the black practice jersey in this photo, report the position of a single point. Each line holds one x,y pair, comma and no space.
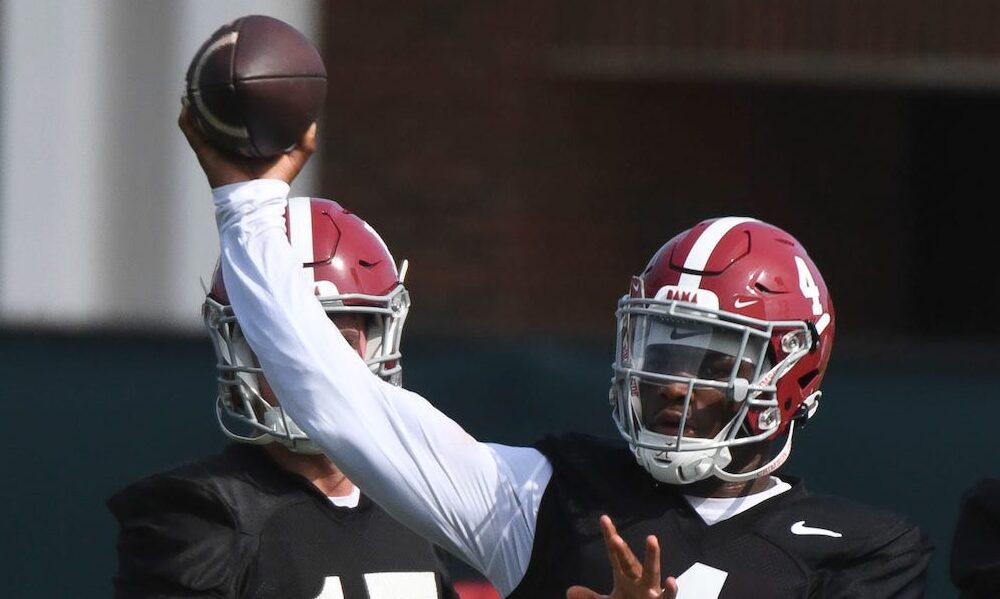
793,545
975,551
238,525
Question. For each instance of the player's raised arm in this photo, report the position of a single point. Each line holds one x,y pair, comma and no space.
419,464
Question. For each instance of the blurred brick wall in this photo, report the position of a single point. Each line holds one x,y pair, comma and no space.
525,193
884,28
425,134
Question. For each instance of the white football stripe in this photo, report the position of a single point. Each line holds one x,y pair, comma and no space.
216,123
703,247
300,233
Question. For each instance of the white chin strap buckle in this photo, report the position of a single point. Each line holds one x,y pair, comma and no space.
685,467
697,471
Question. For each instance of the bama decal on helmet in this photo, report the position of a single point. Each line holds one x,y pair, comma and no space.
700,297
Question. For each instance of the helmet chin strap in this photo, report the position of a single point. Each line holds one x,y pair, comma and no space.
694,465
703,464
690,465
285,431
777,372
220,409
764,470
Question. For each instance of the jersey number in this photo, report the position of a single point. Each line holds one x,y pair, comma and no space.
387,585
701,582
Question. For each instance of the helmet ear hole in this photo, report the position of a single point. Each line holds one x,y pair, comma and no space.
806,379
814,333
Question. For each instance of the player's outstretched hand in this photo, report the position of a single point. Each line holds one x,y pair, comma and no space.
633,580
223,168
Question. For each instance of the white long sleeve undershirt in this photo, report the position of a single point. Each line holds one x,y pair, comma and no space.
478,500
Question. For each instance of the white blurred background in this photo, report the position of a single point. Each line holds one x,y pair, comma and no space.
105,218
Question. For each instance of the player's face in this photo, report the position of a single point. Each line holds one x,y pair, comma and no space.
663,402
352,327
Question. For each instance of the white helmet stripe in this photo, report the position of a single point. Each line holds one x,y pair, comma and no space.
300,234
220,44
703,247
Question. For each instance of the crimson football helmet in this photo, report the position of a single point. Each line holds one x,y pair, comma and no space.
733,306
351,271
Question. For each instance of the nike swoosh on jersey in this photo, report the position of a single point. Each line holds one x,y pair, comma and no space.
744,303
800,528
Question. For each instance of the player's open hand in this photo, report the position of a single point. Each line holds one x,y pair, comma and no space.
633,580
223,168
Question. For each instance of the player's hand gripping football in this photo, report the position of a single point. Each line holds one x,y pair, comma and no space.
633,580
223,168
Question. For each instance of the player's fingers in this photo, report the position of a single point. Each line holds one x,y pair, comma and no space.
299,155
308,141
187,125
618,551
306,146
184,121
608,532
630,564
626,560
669,588
578,592
651,562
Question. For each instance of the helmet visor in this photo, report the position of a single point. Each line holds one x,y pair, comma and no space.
707,351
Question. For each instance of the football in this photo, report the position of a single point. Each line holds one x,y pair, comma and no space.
255,86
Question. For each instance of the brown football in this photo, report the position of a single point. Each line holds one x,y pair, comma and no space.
256,85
